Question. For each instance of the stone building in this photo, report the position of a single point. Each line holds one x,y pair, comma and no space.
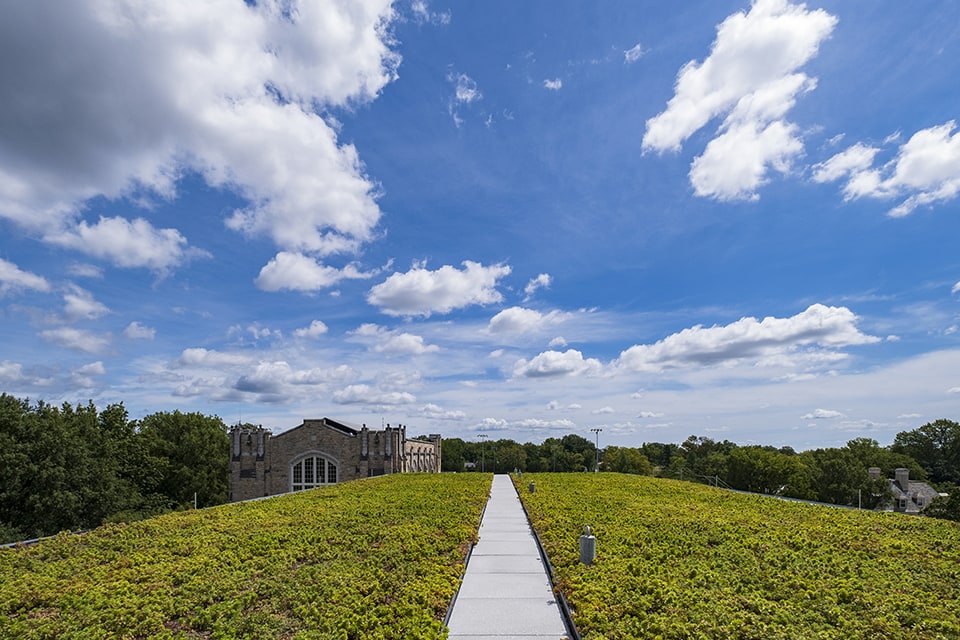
322,452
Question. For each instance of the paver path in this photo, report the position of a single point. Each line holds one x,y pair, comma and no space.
506,590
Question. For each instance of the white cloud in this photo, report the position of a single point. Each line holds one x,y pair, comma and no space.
420,292
405,344
439,413
83,376
78,339
316,329
11,372
423,15
853,160
554,363
199,356
465,92
138,95
128,244
136,331
553,85
13,278
278,381
603,411
955,288
297,272
649,414
367,395
768,340
823,414
542,281
749,77
81,270
633,54
926,170
80,305
521,320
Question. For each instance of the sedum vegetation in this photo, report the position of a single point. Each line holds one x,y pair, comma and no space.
683,560
374,559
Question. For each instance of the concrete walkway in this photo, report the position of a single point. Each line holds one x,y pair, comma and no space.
506,590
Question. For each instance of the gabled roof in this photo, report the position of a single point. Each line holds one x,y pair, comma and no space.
329,423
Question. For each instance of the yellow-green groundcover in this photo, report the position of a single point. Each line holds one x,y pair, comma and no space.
375,559
681,560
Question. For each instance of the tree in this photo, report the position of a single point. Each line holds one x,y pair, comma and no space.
195,452
509,455
936,447
945,507
452,457
625,460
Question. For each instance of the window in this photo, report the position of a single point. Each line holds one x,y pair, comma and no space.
312,471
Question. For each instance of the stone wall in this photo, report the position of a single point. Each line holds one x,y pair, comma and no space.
261,464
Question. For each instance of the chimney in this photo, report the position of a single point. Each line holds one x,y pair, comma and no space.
902,477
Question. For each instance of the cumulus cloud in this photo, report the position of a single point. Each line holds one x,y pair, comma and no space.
10,372
83,376
649,414
128,244
542,281
80,305
136,331
136,96
748,338
823,414
405,344
368,395
316,329
521,320
926,170
200,357
553,85
550,364
439,413
382,340
421,292
298,272
78,339
750,78
13,278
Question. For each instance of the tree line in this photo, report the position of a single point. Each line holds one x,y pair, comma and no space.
75,467
836,475
69,468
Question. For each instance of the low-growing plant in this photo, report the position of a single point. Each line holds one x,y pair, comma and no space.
682,560
377,559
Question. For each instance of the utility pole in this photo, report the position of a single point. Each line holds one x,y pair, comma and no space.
483,461
597,432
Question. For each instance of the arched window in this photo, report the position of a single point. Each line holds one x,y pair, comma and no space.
312,471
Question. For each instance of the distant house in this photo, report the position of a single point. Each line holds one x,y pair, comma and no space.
322,452
909,496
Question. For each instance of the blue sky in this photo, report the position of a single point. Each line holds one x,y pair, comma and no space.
728,219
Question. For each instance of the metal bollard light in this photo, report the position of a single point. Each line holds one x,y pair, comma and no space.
533,487
588,547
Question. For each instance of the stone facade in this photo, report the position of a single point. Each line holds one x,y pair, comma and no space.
322,452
